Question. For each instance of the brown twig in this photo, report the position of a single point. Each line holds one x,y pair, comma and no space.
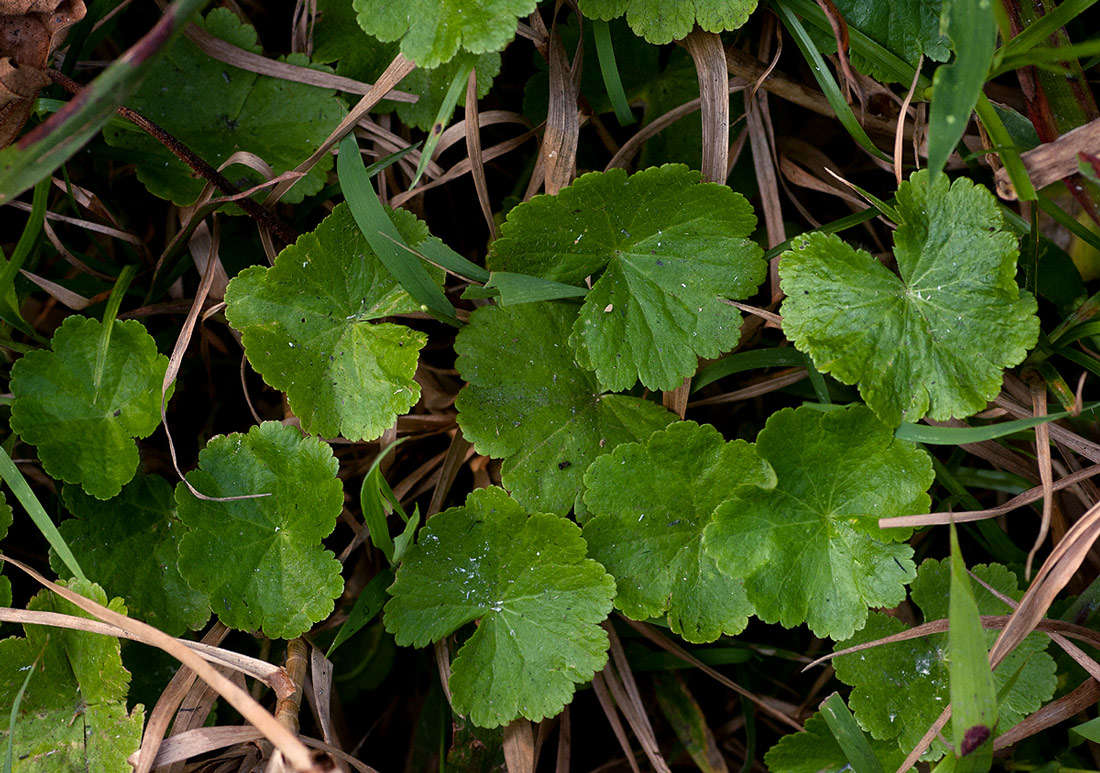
262,216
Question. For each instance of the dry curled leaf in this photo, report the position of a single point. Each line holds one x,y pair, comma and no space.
29,31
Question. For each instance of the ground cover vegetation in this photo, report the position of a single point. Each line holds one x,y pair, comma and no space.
505,385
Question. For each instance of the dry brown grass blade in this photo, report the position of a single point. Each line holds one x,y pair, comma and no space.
632,146
320,693
710,67
393,74
62,295
925,741
176,359
457,131
1059,568
267,673
191,743
667,644
170,699
751,69
338,753
473,150
1046,474
603,695
255,714
559,141
463,167
565,742
1066,437
1084,696
762,387
676,400
899,135
192,714
519,747
458,453
87,225
224,51
620,679
1053,161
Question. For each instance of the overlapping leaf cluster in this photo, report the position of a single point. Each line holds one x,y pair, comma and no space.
669,519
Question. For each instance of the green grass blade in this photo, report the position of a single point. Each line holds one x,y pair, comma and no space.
366,607
522,288
109,314
1006,149
382,234
13,716
852,741
442,118
836,226
1041,30
605,52
372,500
439,254
952,436
18,485
48,146
973,694
972,28
9,301
886,60
754,359
826,80
1069,222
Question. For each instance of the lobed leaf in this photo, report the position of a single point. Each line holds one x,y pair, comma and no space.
899,689
934,341
670,249
73,715
662,22
308,327
537,599
810,549
434,31
280,578
648,505
526,401
130,545
216,109
85,433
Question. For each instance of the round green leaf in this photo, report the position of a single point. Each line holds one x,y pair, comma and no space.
934,341
660,22
433,31
84,434
810,549
899,689
279,577
130,545
73,715
671,250
526,401
538,599
216,110
307,327
649,504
